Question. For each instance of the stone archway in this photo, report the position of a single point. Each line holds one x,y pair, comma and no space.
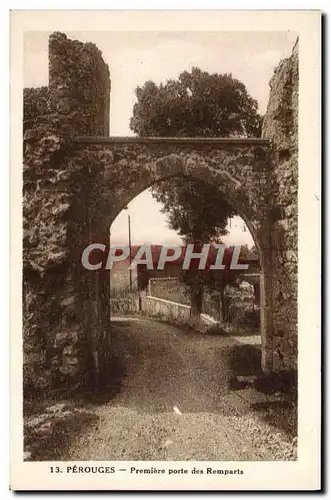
125,167
174,165
76,179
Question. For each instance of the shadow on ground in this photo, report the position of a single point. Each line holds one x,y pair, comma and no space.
245,359
281,411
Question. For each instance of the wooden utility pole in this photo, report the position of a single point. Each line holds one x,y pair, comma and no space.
130,258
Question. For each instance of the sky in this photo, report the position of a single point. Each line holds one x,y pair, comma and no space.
133,58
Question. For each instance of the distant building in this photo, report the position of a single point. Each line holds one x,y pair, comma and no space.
120,278
140,274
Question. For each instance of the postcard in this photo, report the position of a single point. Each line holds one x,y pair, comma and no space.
165,284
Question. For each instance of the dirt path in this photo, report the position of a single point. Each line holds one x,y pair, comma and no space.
172,403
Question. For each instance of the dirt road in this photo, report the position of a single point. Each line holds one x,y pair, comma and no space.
172,402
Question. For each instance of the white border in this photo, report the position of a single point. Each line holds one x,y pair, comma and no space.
304,473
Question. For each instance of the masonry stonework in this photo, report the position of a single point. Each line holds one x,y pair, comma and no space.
77,180
58,305
281,127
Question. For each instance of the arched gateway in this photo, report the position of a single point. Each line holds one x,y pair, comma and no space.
76,181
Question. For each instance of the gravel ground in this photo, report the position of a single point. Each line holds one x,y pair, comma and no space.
171,401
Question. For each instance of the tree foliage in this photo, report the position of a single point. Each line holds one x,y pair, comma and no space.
195,209
197,104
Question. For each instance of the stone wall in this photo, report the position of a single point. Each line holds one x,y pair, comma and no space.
74,187
120,279
175,313
281,126
242,169
79,86
36,105
125,306
166,310
58,305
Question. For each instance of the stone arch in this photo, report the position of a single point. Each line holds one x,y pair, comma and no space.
175,165
75,178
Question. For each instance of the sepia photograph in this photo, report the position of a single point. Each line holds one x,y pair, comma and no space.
160,233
